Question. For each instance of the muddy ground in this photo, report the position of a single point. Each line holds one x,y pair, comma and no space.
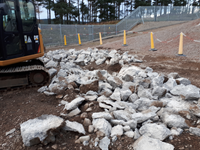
20,105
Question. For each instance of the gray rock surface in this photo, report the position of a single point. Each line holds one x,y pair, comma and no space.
74,103
170,84
159,91
122,115
133,97
74,126
104,115
116,95
104,143
51,64
102,125
38,130
184,81
172,120
195,131
190,92
117,131
155,131
147,143
125,93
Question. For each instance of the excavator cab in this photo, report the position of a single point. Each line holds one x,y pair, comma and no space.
19,35
20,44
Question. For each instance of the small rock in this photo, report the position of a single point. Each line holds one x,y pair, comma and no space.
117,131
104,143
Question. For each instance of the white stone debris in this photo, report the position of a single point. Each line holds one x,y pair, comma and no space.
10,132
138,103
104,143
102,125
104,115
155,131
39,129
145,142
117,131
74,103
74,126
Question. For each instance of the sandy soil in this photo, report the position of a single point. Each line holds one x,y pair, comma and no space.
21,105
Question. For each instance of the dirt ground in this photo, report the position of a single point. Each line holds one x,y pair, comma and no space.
21,105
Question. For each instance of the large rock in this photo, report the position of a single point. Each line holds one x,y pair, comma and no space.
104,143
157,81
156,131
117,131
143,103
184,81
103,85
114,81
52,72
100,61
172,120
102,125
144,93
80,59
125,93
133,97
111,103
74,103
144,115
116,95
159,91
74,126
147,143
131,123
131,71
104,115
42,129
190,92
170,84
195,131
51,64
173,75
57,58
122,115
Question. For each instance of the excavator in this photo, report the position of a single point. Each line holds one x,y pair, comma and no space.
21,45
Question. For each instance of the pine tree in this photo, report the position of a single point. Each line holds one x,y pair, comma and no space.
48,4
180,2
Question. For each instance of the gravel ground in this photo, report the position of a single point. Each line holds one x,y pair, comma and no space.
141,42
155,25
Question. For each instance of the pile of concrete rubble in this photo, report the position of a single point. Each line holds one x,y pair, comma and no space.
138,103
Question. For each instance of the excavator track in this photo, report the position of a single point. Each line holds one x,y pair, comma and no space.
23,75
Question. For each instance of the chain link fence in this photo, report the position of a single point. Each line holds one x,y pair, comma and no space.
53,34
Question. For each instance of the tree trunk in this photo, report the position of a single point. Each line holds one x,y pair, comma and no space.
82,14
49,20
78,12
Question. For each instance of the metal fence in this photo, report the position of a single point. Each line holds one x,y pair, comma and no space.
53,34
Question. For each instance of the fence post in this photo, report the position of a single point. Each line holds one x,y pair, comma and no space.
116,29
61,33
76,32
92,32
155,13
126,24
168,8
104,29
